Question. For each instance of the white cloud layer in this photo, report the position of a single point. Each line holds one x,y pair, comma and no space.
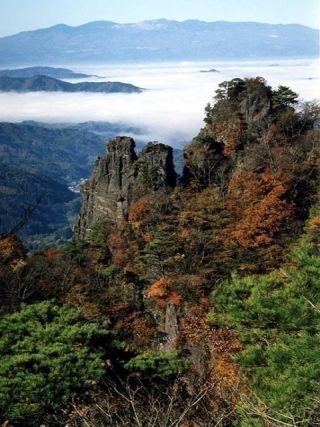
171,110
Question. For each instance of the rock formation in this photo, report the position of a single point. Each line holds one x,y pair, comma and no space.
120,177
238,119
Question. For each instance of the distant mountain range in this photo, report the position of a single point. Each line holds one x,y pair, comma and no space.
156,40
57,73
49,84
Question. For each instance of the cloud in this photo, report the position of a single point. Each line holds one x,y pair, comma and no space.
171,110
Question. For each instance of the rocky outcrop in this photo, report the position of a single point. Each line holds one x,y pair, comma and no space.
119,178
107,193
154,169
256,107
238,119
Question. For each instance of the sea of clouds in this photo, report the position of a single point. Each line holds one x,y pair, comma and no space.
171,109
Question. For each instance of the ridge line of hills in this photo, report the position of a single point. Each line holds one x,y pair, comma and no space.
51,84
155,40
57,73
157,21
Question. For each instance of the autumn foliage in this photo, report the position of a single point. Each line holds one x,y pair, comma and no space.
162,290
261,208
138,211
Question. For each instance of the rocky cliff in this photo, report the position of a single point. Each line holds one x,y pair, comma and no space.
239,118
120,177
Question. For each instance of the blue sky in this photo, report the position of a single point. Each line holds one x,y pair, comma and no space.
20,15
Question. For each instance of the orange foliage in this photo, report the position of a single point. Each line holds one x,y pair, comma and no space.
174,298
231,137
138,211
10,246
140,327
195,329
12,253
222,344
120,258
260,204
159,288
115,240
226,372
162,291
201,309
184,234
314,228
119,249
147,237
53,253
119,309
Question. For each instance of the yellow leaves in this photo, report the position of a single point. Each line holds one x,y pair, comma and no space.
314,224
12,253
184,234
76,297
225,372
18,264
8,246
314,229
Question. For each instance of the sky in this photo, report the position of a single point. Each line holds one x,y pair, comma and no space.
22,15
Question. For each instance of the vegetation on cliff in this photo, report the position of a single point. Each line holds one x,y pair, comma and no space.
210,287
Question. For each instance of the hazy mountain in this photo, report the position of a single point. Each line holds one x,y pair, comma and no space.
212,70
57,73
49,84
161,39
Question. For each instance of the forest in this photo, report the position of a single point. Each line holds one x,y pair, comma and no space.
200,306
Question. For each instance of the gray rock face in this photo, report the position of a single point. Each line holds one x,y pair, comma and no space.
119,178
255,107
154,168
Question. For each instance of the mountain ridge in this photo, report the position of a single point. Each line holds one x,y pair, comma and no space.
57,73
160,20
51,84
107,41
